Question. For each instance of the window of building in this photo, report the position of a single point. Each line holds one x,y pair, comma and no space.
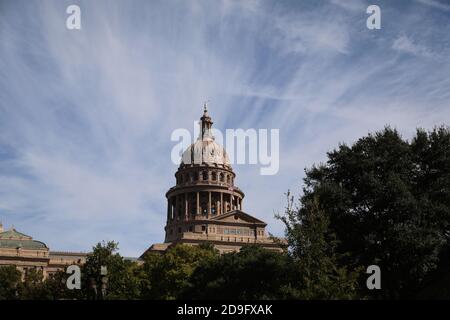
203,228
204,208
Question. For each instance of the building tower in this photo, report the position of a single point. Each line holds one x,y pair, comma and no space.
205,205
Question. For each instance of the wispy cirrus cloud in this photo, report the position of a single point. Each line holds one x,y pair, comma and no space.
86,116
435,4
404,44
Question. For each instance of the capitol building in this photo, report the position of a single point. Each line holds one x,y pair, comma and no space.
205,205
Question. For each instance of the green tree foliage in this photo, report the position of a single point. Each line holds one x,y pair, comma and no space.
10,278
165,276
252,273
313,248
32,288
388,203
55,288
122,282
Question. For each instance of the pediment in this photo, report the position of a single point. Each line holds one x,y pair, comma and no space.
237,216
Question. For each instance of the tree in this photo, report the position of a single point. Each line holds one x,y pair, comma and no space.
388,203
32,287
55,288
251,273
314,250
166,275
10,278
121,282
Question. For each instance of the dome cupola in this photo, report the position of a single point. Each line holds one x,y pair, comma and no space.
205,150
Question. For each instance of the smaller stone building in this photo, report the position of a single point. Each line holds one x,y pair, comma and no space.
25,253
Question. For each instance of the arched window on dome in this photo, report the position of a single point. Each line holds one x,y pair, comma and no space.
196,176
205,175
214,176
222,177
228,179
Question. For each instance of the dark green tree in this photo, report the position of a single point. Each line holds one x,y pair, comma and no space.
32,288
10,278
388,203
121,280
251,273
313,248
166,275
55,288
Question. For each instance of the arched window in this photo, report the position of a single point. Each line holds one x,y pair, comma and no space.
214,176
222,179
205,175
228,179
196,176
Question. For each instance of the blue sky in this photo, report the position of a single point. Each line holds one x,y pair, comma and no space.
86,116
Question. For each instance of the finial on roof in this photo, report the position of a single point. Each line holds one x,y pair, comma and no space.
205,107
205,123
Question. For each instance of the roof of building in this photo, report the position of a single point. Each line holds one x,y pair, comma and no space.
239,216
14,239
13,234
68,254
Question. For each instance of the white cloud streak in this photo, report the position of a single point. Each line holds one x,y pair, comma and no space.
86,117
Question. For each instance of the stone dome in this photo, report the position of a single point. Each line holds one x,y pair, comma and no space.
205,151
14,239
